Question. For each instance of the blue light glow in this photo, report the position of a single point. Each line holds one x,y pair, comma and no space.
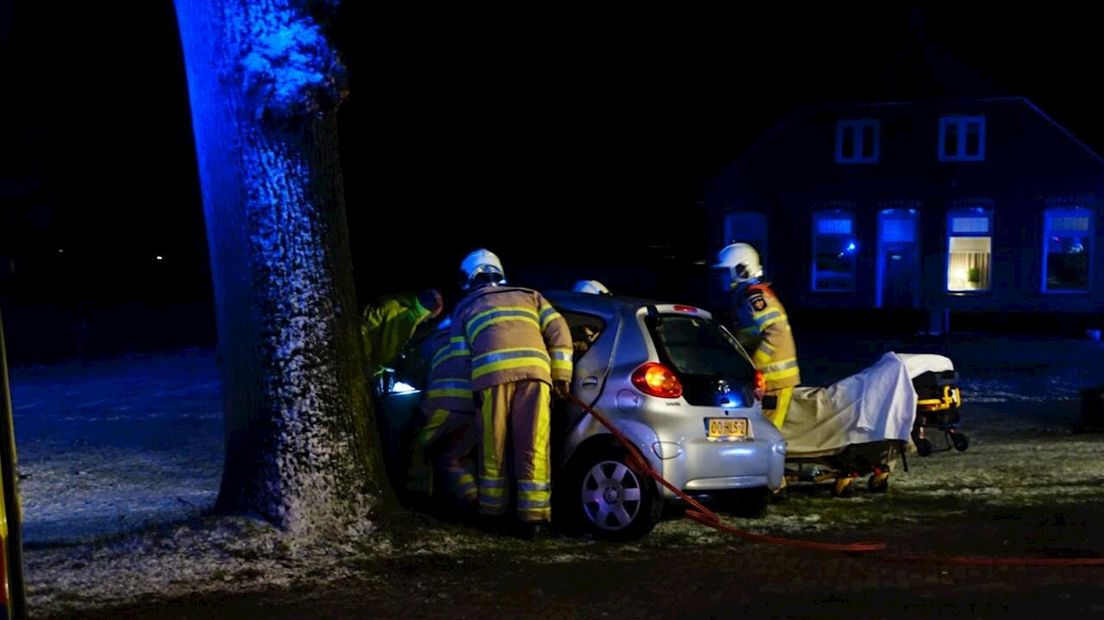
730,400
834,226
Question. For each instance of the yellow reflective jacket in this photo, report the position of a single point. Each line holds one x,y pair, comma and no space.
386,324
764,330
514,334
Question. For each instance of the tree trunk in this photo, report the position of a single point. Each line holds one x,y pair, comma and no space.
264,86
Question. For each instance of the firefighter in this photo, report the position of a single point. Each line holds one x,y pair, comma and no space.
520,348
594,287
587,334
447,438
389,322
761,327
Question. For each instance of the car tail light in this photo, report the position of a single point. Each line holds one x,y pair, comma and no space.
760,385
655,379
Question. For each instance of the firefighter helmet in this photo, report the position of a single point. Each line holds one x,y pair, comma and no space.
594,287
742,262
481,268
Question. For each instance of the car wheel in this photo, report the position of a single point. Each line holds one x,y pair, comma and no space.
611,500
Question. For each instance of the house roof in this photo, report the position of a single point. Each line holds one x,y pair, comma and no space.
805,110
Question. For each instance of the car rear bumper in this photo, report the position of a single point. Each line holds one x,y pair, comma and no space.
702,465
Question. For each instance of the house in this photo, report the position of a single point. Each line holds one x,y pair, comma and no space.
936,207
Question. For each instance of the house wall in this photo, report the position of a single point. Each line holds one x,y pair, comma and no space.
1030,165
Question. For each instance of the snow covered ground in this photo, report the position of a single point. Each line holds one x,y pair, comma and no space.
116,446
121,458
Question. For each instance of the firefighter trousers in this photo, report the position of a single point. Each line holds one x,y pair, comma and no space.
448,439
781,399
521,412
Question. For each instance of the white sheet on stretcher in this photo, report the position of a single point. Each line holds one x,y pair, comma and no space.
920,363
875,404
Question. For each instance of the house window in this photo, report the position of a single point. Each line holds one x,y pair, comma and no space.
962,138
1067,249
857,142
834,251
969,250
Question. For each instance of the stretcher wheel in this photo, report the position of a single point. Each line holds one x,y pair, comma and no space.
960,442
878,482
923,446
843,487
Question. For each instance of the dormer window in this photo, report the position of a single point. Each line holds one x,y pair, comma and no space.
962,138
857,141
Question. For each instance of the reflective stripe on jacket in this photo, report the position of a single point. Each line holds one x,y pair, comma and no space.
514,334
448,386
764,330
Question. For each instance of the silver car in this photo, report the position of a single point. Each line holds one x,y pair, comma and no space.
680,387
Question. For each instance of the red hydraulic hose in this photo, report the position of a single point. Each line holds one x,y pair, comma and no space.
707,517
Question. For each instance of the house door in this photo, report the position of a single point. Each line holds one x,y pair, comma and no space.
898,284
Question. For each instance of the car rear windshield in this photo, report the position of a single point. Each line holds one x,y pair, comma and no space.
697,346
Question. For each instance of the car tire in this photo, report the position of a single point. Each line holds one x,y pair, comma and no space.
607,498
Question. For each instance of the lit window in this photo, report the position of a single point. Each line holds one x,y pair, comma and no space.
834,251
962,138
1067,249
857,142
970,250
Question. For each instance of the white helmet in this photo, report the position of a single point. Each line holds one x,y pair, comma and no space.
742,262
481,268
594,287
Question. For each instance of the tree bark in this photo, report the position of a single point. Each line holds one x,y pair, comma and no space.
264,86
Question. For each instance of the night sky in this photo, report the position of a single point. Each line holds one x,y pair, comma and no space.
576,138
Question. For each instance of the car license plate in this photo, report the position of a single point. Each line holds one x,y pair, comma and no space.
726,428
